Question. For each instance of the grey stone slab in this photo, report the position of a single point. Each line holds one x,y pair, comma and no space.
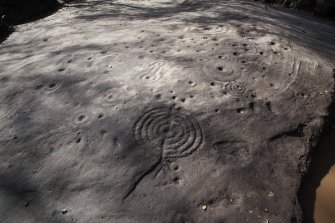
161,111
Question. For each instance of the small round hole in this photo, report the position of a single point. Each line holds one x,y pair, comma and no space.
176,179
52,85
81,118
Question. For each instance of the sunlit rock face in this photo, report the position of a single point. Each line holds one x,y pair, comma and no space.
161,112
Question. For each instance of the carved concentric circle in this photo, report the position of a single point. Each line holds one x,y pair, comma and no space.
208,29
151,77
236,88
220,72
154,72
175,133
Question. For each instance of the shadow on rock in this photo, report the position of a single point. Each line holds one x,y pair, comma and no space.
322,159
15,11
5,31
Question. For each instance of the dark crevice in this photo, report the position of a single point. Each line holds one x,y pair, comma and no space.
223,142
219,143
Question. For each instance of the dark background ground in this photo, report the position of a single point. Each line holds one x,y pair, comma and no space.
323,158
13,12
17,11
324,8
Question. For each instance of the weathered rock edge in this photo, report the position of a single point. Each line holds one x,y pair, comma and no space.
324,8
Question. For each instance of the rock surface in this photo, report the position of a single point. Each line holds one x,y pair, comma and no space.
161,111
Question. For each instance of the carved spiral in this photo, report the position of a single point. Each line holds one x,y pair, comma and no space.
175,133
236,88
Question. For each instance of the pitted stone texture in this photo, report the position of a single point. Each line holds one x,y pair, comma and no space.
149,111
